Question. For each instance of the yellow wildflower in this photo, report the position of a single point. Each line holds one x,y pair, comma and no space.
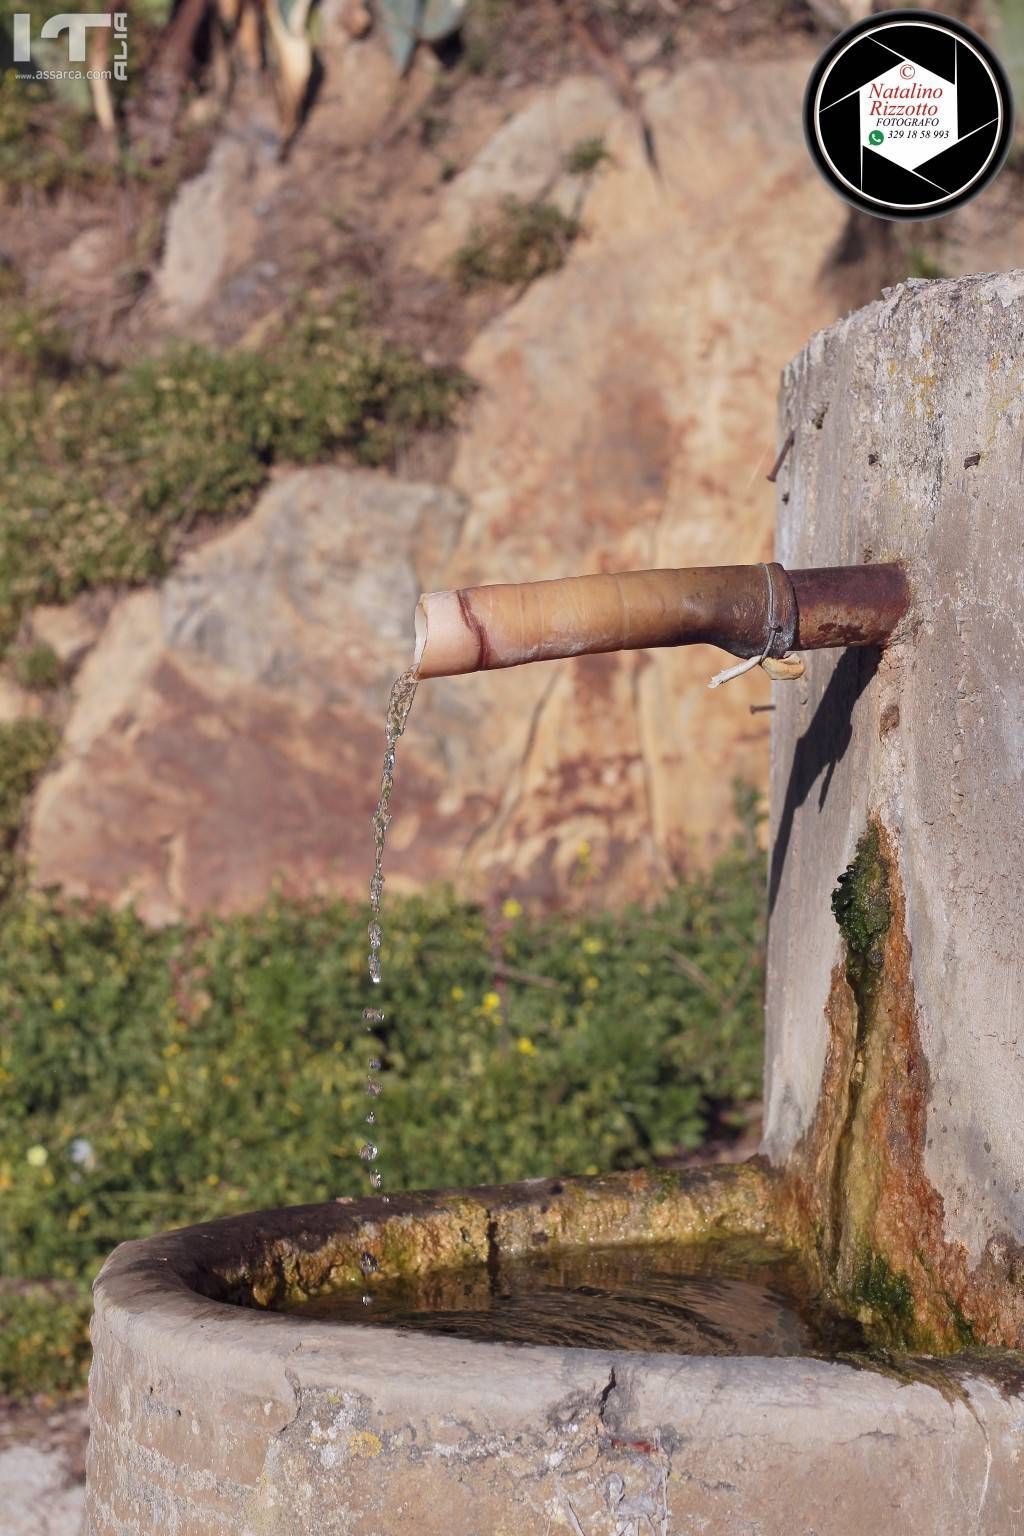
526,1046
37,1156
491,1002
457,994
592,946
511,908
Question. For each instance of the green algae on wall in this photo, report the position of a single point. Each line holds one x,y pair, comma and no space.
863,911
874,1220
884,1300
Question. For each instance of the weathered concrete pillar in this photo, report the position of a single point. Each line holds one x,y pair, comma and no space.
895,1071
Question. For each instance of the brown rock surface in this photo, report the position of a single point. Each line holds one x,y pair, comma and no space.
625,418
525,160
247,697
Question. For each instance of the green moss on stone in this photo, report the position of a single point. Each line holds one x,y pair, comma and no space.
887,1294
862,909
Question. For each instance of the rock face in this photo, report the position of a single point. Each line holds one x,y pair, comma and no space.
525,160
623,421
209,221
229,726
904,1072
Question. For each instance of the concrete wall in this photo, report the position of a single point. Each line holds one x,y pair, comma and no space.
909,444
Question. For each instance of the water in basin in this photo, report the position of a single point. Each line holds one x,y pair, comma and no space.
733,1297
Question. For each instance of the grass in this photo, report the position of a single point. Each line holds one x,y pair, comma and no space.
102,474
522,243
150,1078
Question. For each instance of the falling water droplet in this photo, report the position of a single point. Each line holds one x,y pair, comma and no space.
399,704
367,1301
368,1264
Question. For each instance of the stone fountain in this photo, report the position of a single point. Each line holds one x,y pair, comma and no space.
893,1158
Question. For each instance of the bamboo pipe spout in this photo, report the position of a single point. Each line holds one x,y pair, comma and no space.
748,610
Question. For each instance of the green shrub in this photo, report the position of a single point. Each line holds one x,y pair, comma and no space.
487,21
37,667
523,242
44,1338
40,140
102,474
922,263
32,340
26,747
150,1078
585,156
49,140
194,1073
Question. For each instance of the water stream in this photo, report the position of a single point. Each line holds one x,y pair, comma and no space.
711,1298
400,700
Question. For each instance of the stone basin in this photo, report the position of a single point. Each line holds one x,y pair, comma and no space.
212,1413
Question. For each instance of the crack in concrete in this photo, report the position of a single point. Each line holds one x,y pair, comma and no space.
606,1393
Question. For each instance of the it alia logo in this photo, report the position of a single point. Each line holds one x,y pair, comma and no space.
908,114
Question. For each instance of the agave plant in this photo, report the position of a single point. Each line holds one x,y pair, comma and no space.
407,23
292,50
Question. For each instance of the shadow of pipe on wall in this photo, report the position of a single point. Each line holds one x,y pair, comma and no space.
821,749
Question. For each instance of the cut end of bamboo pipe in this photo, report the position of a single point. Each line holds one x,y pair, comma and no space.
446,643
748,610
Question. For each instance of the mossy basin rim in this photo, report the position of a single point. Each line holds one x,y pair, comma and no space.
721,1296
718,1233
